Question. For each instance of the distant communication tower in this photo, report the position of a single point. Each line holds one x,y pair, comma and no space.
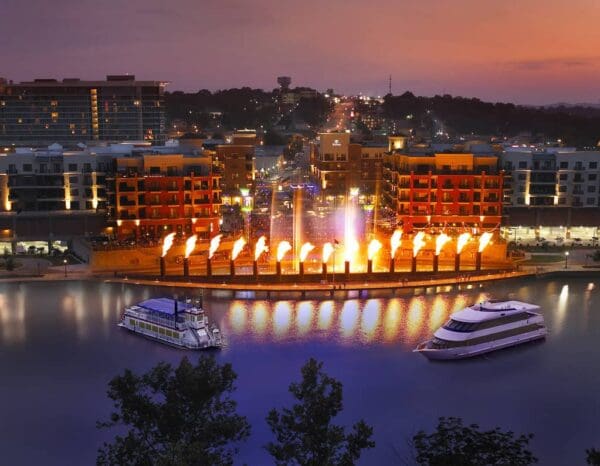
284,82
390,85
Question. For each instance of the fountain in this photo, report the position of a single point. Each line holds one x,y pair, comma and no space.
373,249
395,242
167,243
484,240
327,251
418,243
282,249
442,239
259,248
461,242
190,245
350,250
304,252
235,252
215,242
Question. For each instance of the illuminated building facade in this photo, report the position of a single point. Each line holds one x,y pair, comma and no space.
446,190
236,163
154,194
340,165
71,111
552,193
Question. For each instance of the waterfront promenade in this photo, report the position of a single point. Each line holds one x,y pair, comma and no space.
33,269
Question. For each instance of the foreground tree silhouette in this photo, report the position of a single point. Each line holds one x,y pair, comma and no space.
454,444
175,416
304,434
593,457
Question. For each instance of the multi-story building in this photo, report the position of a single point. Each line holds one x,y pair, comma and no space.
236,163
552,191
341,165
444,189
71,111
53,194
155,193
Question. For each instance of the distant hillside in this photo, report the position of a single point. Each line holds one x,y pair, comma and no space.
576,126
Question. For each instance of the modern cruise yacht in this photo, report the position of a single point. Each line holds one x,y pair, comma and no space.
175,323
485,327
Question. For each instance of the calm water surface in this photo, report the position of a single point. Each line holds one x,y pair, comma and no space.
59,346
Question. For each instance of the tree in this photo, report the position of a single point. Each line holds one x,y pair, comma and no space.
454,444
304,434
593,457
175,416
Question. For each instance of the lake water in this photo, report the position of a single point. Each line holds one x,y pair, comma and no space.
59,346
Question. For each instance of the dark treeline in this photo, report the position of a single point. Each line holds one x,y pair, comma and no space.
241,108
576,126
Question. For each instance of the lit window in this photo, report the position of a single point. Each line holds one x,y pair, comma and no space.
54,116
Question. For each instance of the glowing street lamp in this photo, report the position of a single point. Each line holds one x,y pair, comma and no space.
566,259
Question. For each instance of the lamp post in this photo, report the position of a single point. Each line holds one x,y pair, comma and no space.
566,259
65,263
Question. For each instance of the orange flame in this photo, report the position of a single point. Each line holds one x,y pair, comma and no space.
282,249
350,249
374,247
214,245
305,250
260,247
395,242
484,240
190,245
167,243
327,251
418,243
237,248
462,242
442,239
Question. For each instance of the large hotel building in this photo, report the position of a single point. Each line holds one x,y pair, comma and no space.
71,111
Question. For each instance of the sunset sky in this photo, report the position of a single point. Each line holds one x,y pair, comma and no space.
526,51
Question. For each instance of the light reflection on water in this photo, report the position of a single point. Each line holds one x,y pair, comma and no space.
403,320
373,321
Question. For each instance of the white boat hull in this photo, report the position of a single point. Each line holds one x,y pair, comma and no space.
185,343
476,350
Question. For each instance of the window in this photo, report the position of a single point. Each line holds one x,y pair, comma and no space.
590,201
522,176
593,165
73,179
72,167
54,117
562,188
591,189
592,177
520,200
564,165
27,167
563,177
562,200
522,164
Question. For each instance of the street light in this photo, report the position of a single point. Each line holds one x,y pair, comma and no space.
566,259
65,262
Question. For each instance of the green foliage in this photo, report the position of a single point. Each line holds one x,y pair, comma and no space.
304,434
175,416
454,444
593,457
596,256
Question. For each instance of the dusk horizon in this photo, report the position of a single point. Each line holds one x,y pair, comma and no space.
492,52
